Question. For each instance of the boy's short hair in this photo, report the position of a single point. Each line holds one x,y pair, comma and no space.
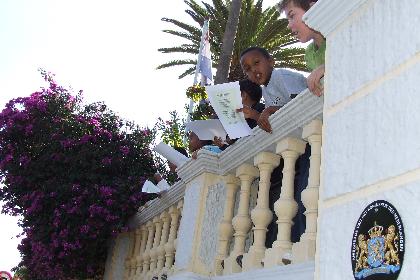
304,4
262,51
252,89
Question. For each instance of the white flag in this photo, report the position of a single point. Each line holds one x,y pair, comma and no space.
205,64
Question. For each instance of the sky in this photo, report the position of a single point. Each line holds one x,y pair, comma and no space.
106,48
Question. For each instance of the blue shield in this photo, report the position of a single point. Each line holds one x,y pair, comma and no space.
376,251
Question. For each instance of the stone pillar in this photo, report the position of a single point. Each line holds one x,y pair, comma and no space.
153,252
133,262
225,226
170,245
146,255
286,206
304,250
242,221
139,258
163,240
261,215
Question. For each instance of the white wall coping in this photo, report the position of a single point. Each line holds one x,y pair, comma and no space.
302,271
326,15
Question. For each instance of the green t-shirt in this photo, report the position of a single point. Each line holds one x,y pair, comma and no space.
315,57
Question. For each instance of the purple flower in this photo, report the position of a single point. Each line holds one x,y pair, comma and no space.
107,161
66,143
106,191
125,150
28,129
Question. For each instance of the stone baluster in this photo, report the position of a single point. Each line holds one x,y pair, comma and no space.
146,254
170,245
180,206
286,206
166,218
153,252
127,263
261,215
242,221
305,249
225,226
139,258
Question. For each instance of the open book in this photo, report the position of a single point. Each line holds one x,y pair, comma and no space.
171,154
149,187
207,129
225,99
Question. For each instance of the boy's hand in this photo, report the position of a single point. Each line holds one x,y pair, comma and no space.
157,177
263,122
218,142
194,155
249,113
314,80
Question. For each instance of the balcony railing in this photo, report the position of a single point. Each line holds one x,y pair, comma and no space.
222,232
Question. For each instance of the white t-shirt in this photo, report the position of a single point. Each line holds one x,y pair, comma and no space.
282,84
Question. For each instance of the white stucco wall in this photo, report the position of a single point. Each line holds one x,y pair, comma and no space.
371,145
187,225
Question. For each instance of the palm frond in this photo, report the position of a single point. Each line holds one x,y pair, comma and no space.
256,27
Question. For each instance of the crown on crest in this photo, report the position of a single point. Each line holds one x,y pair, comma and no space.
376,230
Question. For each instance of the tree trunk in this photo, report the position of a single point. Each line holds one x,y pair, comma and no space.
228,42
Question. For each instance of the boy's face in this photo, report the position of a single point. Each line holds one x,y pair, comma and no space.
195,142
294,15
257,67
246,100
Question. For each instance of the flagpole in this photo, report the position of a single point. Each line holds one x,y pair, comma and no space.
197,72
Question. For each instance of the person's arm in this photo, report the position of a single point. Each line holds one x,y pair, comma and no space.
314,80
249,113
263,122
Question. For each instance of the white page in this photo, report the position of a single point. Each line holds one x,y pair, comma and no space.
225,99
207,129
149,187
171,154
163,185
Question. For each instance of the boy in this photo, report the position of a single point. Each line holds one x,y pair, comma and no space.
315,52
251,94
277,84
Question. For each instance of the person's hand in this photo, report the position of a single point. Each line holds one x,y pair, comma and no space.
263,122
249,113
157,177
194,155
218,142
314,81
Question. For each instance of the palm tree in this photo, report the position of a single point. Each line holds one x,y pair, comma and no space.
257,27
229,36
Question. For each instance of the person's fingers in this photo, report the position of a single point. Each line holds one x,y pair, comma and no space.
264,124
311,83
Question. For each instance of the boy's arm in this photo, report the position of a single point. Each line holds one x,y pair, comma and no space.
314,80
263,122
249,113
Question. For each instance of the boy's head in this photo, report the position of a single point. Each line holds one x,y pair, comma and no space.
195,143
294,10
251,93
257,65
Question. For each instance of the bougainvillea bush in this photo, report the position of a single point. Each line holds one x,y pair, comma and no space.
73,172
